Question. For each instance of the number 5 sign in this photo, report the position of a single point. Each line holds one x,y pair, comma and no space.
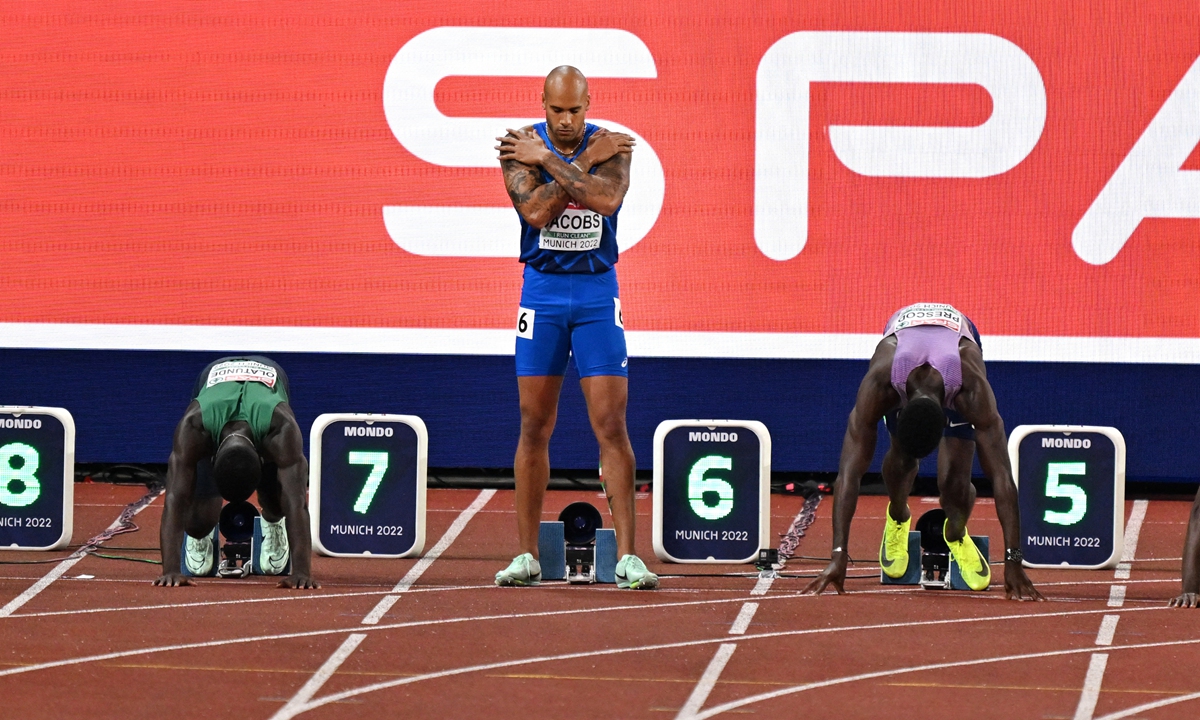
1071,484
367,486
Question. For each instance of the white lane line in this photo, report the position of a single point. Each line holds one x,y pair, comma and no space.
700,693
1130,712
1091,687
295,704
1133,529
558,613
354,692
244,601
60,569
319,678
743,619
712,673
1108,628
414,573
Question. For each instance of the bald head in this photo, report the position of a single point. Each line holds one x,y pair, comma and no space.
565,99
565,78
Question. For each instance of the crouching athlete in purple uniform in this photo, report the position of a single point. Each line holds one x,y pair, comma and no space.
567,180
927,380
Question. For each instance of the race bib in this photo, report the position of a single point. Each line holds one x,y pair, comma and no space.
525,322
242,371
930,314
577,229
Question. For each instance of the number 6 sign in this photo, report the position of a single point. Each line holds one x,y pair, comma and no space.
367,485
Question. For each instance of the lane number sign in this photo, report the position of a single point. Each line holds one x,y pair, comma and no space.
367,485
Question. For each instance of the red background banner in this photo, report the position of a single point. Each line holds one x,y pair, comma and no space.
226,163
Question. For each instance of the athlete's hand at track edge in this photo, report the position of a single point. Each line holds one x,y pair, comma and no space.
173,579
523,146
1017,585
299,582
834,574
1186,600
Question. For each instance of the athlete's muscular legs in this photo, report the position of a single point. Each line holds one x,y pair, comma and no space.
899,472
531,467
204,515
954,484
270,498
606,397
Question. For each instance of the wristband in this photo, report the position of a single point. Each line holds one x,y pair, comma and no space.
1013,555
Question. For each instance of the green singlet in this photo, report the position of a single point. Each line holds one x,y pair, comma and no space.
240,389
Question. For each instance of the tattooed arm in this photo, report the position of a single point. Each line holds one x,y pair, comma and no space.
538,202
522,153
603,192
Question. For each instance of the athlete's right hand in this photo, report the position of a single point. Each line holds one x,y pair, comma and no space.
604,144
834,574
173,579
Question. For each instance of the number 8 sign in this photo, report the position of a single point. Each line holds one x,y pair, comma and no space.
367,485
37,478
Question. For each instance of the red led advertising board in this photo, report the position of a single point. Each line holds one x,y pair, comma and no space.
320,176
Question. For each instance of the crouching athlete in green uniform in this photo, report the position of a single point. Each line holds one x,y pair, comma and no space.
237,436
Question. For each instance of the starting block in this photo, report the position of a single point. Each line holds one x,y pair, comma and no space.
240,527
576,549
930,563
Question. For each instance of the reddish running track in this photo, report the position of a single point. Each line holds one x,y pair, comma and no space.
101,642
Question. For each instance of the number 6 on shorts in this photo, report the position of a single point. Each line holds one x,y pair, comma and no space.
525,323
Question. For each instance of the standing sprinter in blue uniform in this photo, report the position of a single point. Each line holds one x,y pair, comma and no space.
567,180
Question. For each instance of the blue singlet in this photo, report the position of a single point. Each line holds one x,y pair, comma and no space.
577,241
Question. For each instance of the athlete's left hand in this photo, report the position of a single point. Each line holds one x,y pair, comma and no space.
1017,585
1186,600
299,582
525,147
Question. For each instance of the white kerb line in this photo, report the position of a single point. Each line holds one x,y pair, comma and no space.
416,571
1090,695
700,693
319,678
712,673
296,704
1133,531
1091,687
59,570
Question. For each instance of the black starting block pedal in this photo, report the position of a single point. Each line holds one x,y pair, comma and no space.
930,563
576,548
237,528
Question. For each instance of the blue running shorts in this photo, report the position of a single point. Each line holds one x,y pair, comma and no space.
570,314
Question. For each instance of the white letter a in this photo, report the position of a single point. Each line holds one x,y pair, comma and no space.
1148,182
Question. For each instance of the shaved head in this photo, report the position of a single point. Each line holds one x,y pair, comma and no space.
565,77
565,99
